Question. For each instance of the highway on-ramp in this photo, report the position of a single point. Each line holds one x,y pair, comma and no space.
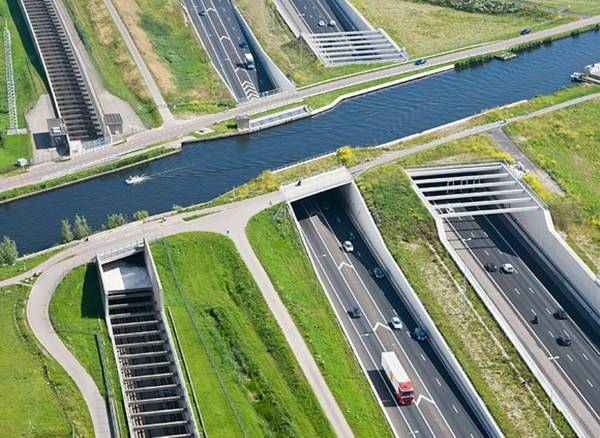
440,410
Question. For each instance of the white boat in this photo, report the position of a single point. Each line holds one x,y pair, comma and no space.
577,77
136,179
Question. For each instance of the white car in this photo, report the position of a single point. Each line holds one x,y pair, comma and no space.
347,245
321,23
396,323
507,268
332,23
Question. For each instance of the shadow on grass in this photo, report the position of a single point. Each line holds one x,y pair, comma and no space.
91,295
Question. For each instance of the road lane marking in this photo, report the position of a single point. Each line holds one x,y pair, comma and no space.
589,383
569,357
585,356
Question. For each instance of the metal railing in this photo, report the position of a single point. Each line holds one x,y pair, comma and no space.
11,92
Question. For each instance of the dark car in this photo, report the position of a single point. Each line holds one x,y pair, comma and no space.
420,61
564,340
526,31
561,314
354,313
491,267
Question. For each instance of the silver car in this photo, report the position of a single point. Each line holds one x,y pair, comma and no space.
396,323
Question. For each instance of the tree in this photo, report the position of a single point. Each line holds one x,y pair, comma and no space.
8,252
140,215
81,228
66,231
115,220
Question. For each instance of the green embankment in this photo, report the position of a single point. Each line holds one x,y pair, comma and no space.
29,83
24,265
39,398
245,377
487,356
78,317
111,57
276,242
566,144
172,52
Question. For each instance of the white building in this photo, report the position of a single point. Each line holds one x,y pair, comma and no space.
593,71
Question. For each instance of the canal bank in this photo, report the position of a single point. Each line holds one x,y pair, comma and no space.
199,174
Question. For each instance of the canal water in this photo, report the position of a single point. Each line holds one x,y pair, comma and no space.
205,170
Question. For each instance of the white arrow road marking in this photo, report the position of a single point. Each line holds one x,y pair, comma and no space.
378,325
423,397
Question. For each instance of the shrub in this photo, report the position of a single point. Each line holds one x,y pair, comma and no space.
81,228
8,252
115,220
140,215
346,155
66,231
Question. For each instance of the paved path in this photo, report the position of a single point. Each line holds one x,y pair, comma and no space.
180,128
151,84
229,220
507,144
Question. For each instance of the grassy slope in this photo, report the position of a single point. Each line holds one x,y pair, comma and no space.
243,372
39,399
24,265
565,143
173,54
111,57
410,234
277,245
293,57
28,81
77,315
589,7
425,29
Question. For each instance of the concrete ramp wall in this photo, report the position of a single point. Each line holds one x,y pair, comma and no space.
362,219
585,286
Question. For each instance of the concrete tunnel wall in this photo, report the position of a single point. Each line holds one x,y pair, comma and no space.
280,81
362,219
538,225
352,13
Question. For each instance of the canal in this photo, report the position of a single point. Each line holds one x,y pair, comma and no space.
205,170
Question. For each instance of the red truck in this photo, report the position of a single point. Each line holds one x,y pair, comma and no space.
395,372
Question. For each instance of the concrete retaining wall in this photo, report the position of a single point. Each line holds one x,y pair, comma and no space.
352,13
290,17
364,222
281,82
585,286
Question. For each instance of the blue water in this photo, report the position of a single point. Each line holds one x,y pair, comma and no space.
205,170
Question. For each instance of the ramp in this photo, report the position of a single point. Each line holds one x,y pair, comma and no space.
71,93
156,401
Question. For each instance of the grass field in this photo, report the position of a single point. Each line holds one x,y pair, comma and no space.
245,377
292,56
425,29
587,7
565,144
276,242
111,57
28,81
173,54
39,399
488,358
77,316
24,265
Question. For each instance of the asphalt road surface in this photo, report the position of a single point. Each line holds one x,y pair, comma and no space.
314,11
439,410
494,240
224,39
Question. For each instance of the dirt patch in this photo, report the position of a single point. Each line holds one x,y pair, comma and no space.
130,14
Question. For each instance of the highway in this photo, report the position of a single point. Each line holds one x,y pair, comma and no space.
495,240
313,11
440,410
221,32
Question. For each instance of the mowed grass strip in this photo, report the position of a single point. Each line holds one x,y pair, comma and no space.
487,356
12,148
566,144
243,372
25,264
172,52
292,56
425,29
38,397
584,7
77,315
111,57
277,244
